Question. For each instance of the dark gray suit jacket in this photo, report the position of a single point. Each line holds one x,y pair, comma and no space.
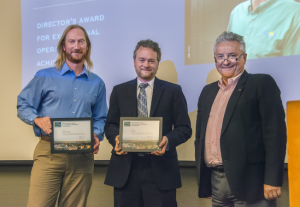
168,102
253,137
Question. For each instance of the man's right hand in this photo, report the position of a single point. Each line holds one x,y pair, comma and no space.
117,149
44,123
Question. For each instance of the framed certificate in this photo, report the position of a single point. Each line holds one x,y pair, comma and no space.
140,134
72,135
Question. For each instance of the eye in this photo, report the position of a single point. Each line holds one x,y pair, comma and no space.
151,61
231,56
220,57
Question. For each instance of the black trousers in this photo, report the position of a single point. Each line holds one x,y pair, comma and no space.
141,189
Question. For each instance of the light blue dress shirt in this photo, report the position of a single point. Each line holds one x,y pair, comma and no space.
61,94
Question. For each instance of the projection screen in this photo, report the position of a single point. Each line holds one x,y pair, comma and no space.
185,30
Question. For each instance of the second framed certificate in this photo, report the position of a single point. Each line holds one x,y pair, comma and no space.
140,134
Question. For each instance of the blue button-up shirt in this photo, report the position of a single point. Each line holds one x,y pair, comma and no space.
62,94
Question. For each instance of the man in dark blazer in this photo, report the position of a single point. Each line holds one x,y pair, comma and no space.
141,179
240,132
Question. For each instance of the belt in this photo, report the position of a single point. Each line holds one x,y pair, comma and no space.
45,138
140,154
219,168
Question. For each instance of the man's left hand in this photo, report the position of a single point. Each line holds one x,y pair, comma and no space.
163,145
271,192
96,144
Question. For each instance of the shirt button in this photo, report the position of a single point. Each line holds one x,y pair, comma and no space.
245,37
75,88
74,100
250,21
73,112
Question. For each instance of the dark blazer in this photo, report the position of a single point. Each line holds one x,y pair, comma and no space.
253,137
168,102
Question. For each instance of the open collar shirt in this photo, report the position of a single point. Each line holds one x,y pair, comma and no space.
271,30
212,150
62,94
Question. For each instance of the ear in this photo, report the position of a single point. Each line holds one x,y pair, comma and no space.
245,57
215,60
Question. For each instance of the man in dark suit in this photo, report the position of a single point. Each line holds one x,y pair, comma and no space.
240,132
141,179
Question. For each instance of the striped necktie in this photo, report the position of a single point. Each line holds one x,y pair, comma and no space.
142,101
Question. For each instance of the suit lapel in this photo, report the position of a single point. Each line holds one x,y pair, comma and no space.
233,100
132,96
157,92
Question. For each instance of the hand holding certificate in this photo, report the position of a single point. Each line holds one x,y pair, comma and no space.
44,123
140,134
163,145
72,135
118,149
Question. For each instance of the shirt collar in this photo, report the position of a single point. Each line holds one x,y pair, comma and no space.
261,7
151,83
66,69
231,82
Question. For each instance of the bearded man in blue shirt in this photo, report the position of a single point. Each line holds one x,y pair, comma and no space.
68,90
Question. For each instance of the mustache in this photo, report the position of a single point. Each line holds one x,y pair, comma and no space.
77,51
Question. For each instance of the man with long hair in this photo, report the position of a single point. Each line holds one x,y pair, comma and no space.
68,90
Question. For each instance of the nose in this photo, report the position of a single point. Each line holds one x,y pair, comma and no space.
146,64
76,45
227,62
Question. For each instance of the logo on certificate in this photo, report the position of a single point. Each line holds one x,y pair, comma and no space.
57,124
126,123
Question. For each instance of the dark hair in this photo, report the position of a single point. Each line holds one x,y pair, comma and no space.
150,44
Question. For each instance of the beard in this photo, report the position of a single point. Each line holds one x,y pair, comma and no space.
74,59
146,76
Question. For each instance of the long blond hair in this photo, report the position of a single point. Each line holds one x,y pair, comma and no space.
61,53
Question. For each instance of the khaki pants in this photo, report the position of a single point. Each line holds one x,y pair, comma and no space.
66,175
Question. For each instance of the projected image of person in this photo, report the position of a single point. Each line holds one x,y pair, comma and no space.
141,179
240,132
270,28
67,90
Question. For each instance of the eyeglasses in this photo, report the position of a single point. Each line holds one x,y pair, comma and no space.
231,58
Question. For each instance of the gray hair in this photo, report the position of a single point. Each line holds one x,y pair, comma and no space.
230,36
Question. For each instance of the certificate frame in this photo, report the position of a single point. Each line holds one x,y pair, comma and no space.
59,145
141,145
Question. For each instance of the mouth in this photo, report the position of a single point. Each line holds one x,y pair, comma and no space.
226,68
77,53
146,70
